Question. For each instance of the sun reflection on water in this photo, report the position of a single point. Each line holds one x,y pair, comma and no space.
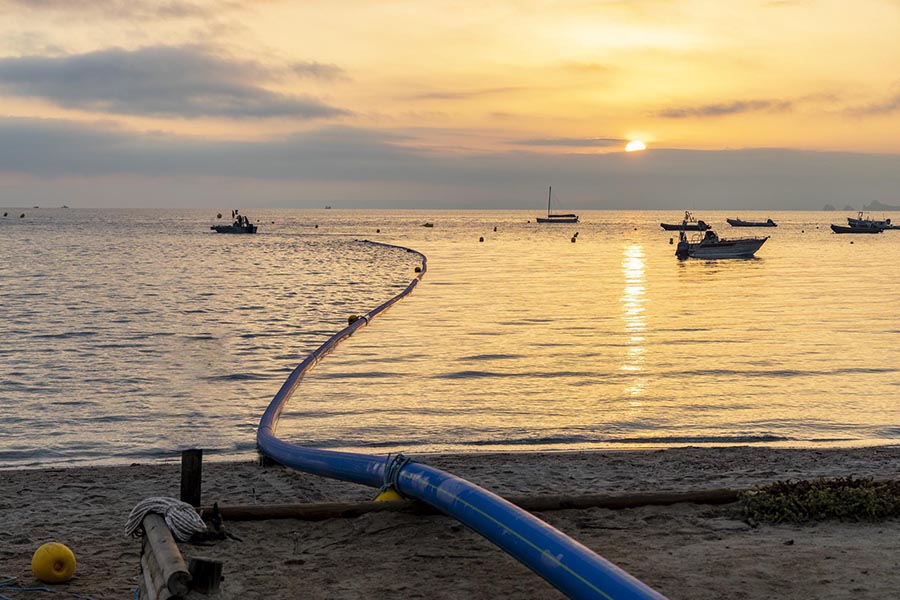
633,299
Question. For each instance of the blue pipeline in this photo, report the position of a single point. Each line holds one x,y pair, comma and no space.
572,568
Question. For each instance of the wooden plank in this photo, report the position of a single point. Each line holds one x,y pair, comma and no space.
332,510
167,554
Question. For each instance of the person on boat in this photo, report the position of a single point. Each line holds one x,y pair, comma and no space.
710,236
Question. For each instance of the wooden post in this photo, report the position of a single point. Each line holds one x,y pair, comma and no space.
191,476
168,557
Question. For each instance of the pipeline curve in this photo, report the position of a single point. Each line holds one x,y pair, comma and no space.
566,564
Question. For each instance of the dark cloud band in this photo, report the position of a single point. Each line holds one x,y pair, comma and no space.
160,81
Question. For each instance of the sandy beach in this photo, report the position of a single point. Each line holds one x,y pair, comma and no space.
683,551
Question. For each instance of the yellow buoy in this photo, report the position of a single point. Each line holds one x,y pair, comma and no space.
53,563
388,495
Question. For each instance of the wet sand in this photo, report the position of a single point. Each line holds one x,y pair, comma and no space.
684,551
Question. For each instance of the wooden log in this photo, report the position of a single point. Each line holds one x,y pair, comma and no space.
191,476
206,574
148,562
332,510
167,555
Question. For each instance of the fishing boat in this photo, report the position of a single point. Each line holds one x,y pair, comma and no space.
711,246
241,224
688,224
857,229
740,223
556,217
863,220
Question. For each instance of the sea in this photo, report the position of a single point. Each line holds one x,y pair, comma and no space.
129,335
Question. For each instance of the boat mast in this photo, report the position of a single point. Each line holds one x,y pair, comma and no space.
549,193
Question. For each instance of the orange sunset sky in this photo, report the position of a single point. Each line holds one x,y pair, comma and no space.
757,104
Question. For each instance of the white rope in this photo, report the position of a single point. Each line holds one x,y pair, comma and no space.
180,516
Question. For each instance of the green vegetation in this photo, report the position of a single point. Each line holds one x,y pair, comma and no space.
846,499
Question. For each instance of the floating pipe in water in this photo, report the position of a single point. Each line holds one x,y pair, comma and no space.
566,564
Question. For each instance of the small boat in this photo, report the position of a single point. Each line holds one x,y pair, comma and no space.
427,224
710,246
327,207
740,223
241,224
688,224
860,229
556,217
863,220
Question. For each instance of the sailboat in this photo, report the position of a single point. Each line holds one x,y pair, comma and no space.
556,218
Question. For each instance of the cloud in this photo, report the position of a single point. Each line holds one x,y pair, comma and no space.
885,107
185,82
728,108
464,95
122,9
572,142
318,70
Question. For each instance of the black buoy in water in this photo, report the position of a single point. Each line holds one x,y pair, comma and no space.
377,231
317,226
573,238
495,228
481,239
418,269
219,216
22,216
671,241
352,319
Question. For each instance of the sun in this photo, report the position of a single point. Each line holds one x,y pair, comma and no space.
635,146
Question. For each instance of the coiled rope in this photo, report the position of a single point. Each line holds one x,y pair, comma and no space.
180,516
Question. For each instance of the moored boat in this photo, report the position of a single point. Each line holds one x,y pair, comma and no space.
863,220
241,224
710,246
688,224
857,229
740,223
556,217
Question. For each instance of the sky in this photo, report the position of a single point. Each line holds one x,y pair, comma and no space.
766,104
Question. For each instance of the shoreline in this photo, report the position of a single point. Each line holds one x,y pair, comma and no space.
684,551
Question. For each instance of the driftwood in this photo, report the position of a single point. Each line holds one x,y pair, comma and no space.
332,510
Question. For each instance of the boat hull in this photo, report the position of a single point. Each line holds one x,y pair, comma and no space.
234,228
557,219
699,226
741,248
739,223
842,229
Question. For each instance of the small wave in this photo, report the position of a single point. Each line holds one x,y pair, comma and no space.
235,377
786,372
491,357
659,440
360,375
68,334
494,374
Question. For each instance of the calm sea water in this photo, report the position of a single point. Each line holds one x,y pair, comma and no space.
131,334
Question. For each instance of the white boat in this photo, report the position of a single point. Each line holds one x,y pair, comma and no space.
862,220
711,246
556,217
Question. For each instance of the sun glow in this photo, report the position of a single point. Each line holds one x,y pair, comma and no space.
635,146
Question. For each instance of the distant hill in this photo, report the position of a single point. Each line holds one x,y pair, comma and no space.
875,205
